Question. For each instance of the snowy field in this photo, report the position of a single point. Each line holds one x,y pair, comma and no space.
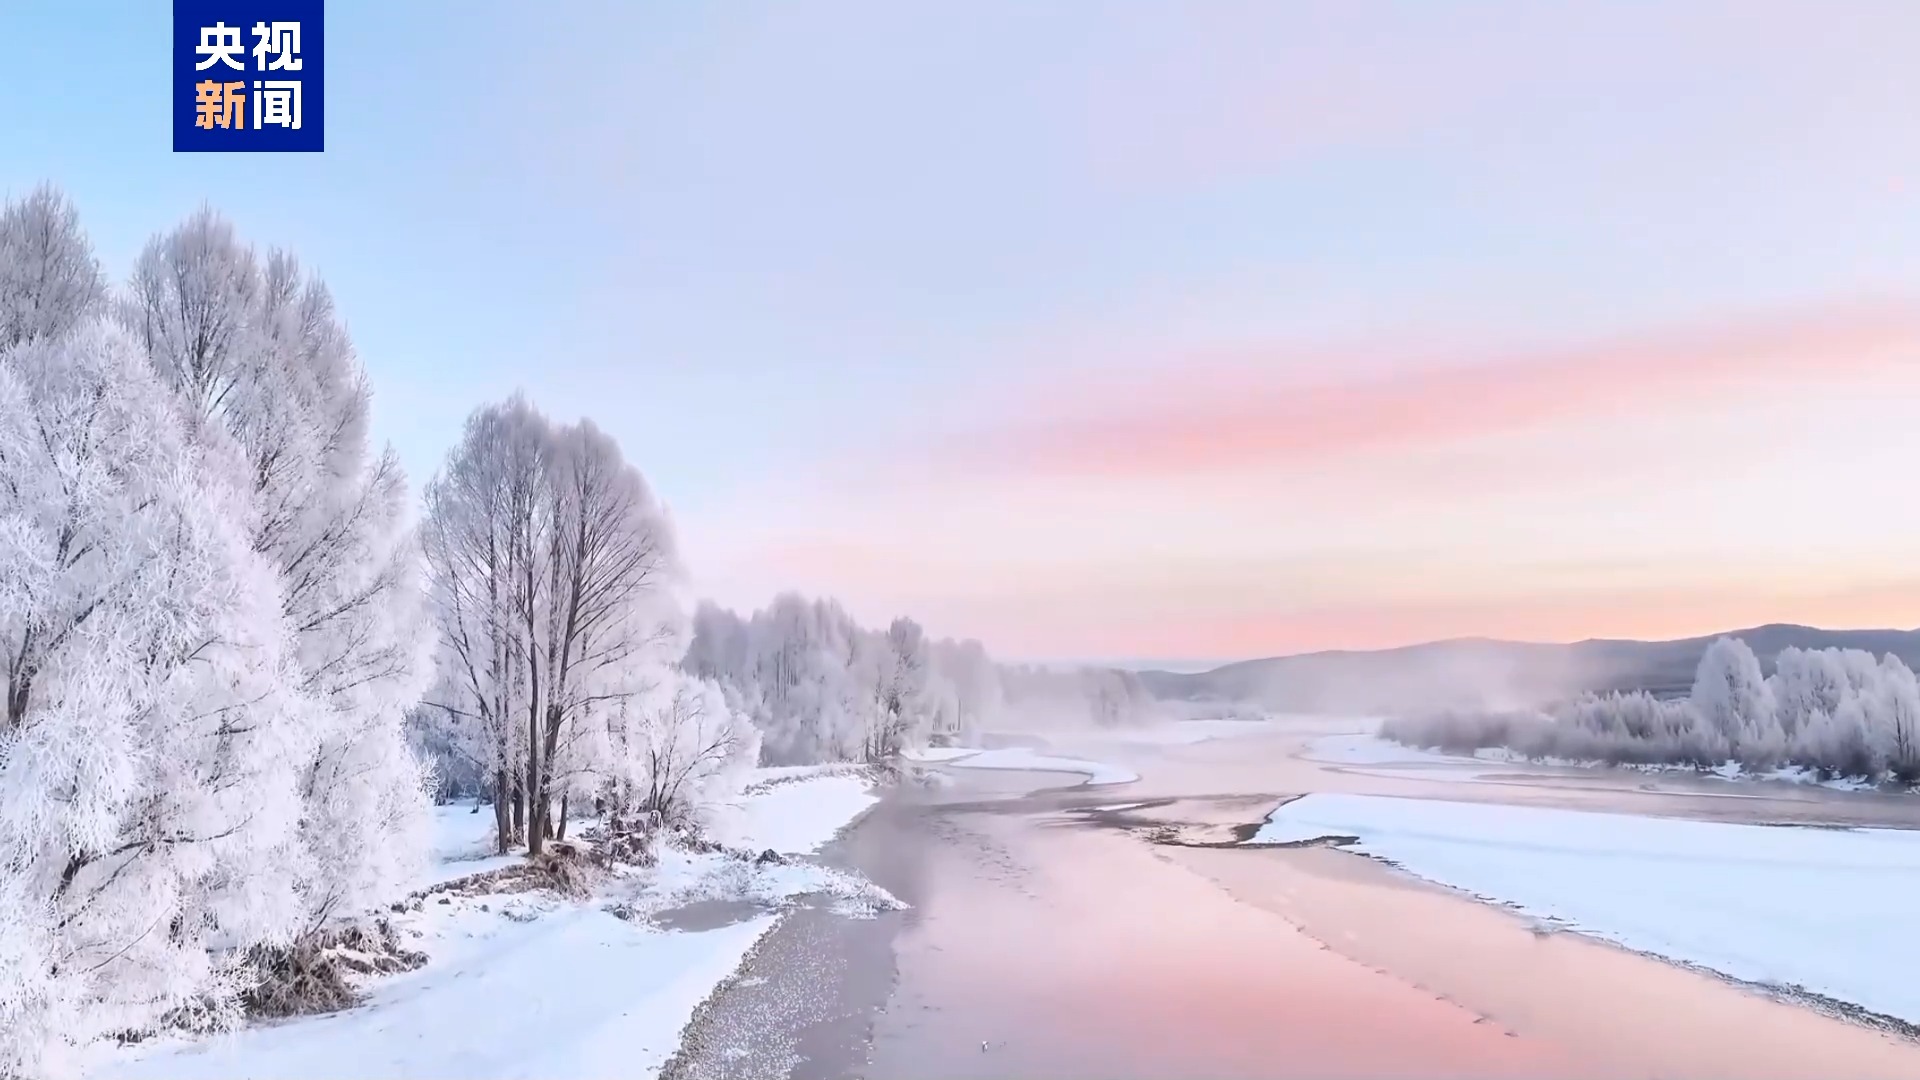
462,844
1823,910
795,817
1022,758
534,986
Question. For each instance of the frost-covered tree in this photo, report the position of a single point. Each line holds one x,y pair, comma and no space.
719,648
253,349
814,683
903,714
49,279
613,625
680,745
822,688
978,698
1834,711
453,749
1732,695
814,678
152,741
481,531
554,581
1898,736
1806,681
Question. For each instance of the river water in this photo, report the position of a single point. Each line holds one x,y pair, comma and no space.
1052,935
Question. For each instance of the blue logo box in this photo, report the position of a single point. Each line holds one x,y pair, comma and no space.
249,75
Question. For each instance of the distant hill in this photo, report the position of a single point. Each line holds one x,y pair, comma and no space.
1484,672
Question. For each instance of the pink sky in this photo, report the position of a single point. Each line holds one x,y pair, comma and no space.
1658,482
1336,326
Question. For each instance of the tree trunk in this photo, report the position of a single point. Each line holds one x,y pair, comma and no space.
536,785
538,828
548,750
560,831
502,822
519,809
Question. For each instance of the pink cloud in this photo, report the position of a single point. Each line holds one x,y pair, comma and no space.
1190,420
1642,613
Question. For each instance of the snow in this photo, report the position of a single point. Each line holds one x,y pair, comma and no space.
462,844
939,753
1793,774
460,833
529,985
769,773
1020,757
575,993
684,878
793,818
1814,908
440,873
1729,770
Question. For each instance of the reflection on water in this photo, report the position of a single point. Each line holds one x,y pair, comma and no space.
1084,954
703,915
1060,944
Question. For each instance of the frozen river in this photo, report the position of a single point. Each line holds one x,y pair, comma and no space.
1126,931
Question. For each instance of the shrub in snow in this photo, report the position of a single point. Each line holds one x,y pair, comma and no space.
318,972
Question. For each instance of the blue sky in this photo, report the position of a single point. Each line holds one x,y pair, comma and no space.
791,255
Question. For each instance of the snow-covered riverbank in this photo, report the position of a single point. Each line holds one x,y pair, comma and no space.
1811,909
1024,759
537,986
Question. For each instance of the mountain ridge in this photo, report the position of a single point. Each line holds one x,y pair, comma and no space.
1494,672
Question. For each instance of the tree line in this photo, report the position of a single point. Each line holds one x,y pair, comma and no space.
822,688
1835,712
